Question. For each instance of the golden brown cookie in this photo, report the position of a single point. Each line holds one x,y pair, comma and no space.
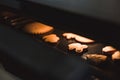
52,38
108,49
97,58
116,55
78,38
77,47
37,28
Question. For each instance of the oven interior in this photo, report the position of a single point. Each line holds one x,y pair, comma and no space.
17,47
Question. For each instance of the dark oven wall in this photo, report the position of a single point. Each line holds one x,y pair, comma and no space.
107,9
11,3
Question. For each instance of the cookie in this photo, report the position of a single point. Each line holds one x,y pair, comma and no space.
116,55
37,28
51,38
96,58
7,14
77,47
108,49
78,38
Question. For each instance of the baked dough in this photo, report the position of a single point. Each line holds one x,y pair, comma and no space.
77,47
116,55
108,49
7,14
97,58
52,38
37,28
78,38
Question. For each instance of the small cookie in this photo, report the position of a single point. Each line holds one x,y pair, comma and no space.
7,14
108,49
37,28
78,38
116,55
83,39
77,47
52,38
97,58
69,35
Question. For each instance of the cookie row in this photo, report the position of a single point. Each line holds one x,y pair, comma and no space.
80,45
